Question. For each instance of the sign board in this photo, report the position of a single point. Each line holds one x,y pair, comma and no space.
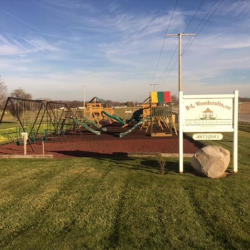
207,137
208,114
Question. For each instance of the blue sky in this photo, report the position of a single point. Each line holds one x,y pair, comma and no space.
118,49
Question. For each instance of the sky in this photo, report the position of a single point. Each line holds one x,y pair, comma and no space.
118,50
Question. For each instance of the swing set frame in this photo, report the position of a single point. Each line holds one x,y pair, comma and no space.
45,111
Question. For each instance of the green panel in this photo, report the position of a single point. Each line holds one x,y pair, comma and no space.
161,97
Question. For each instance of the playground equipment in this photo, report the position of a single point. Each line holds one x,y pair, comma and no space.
87,125
49,119
156,113
113,117
97,110
39,118
82,124
137,116
18,107
161,113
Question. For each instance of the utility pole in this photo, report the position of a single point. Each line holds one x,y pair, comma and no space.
84,97
180,56
83,101
180,99
154,85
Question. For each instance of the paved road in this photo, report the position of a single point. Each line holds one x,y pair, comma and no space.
244,117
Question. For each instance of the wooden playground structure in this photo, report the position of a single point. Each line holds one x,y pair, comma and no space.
155,114
49,119
96,109
161,114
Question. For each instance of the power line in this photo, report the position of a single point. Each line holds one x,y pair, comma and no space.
180,55
164,41
188,44
190,23
177,45
161,79
193,16
172,15
170,70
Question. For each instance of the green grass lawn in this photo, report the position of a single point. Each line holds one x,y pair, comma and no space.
87,203
120,204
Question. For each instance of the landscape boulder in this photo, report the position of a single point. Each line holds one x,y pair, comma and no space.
211,161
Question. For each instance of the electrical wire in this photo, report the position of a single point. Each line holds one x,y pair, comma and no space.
168,73
188,44
193,16
161,79
164,41
196,34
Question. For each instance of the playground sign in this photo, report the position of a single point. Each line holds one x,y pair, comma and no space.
208,113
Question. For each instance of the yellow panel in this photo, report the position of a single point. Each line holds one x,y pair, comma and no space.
154,97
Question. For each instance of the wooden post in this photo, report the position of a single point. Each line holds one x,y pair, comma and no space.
43,146
25,137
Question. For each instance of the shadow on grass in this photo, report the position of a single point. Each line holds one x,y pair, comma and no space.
121,159
197,144
171,166
80,153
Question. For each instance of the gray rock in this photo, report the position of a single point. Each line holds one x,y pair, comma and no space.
211,161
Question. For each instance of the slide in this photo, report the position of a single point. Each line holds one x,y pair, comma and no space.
93,123
114,117
137,116
85,126
134,127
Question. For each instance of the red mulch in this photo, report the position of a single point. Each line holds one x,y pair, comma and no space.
107,144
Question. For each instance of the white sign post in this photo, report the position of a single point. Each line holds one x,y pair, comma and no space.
208,113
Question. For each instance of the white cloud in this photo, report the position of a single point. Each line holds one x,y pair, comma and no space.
6,49
41,44
236,8
114,52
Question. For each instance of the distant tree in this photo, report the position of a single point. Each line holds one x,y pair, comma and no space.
174,99
136,103
244,99
74,104
3,93
20,93
20,106
130,104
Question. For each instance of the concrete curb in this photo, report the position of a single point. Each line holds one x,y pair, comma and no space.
26,156
165,155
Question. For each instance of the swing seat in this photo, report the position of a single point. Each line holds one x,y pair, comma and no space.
19,142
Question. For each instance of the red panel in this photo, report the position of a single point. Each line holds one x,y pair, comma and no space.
167,96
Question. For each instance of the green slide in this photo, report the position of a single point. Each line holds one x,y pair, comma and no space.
137,116
88,122
86,126
134,127
114,117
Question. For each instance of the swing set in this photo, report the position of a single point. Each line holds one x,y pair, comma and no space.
39,118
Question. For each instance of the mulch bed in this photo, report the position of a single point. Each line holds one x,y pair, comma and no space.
108,144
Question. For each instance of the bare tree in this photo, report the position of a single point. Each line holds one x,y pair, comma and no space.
175,99
20,105
3,92
20,93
